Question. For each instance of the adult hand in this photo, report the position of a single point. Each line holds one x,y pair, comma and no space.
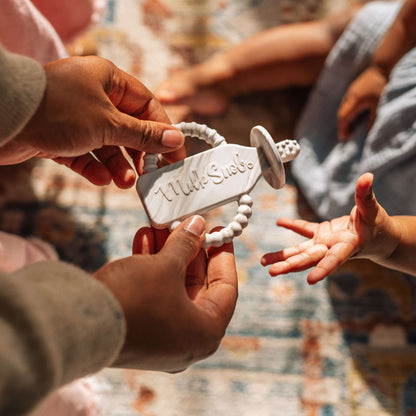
91,108
177,299
363,233
362,96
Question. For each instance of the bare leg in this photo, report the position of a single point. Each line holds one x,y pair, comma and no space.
284,56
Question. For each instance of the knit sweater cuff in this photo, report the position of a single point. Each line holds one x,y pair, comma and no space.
22,85
58,323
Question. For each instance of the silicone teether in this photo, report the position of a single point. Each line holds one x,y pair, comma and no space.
225,173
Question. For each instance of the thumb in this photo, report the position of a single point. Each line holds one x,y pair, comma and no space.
146,135
365,199
185,242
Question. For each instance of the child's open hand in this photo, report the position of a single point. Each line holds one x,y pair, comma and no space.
330,244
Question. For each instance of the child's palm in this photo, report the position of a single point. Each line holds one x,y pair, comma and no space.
329,245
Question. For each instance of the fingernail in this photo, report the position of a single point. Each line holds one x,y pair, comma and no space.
172,138
196,226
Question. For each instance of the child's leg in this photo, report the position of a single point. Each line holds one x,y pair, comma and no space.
287,55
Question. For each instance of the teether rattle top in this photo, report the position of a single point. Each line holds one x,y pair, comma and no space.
204,181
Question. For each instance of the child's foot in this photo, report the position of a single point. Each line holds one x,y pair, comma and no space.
189,97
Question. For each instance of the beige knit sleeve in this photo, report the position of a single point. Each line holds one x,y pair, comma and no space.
22,85
57,323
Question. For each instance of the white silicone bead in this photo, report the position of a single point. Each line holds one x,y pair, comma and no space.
174,224
246,200
244,210
241,219
227,236
216,238
236,227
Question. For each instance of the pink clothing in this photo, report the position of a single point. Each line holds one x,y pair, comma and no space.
70,17
39,28
74,399
16,252
24,30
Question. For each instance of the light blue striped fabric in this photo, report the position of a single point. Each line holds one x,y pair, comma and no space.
327,170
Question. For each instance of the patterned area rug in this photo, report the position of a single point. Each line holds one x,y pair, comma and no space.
344,347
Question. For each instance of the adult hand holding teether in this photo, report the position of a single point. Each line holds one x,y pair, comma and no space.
91,109
209,179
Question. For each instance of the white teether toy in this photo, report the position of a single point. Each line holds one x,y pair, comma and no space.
204,181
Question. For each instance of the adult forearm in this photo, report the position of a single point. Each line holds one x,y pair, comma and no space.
57,323
400,38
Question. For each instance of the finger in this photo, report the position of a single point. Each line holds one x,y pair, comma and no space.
143,122
196,280
144,241
175,156
122,173
149,240
130,96
197,283
88,167
331,261
184,244
365,199
221,296
270,258
302,261
373,115
302,227
286,253
160,238
137,159
344,117
149,136
350,109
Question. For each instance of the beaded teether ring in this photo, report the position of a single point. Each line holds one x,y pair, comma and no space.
209,179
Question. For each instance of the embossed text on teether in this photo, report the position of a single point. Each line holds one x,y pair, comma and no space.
198,180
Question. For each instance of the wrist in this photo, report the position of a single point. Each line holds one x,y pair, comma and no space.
388,238
381,71
216,70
